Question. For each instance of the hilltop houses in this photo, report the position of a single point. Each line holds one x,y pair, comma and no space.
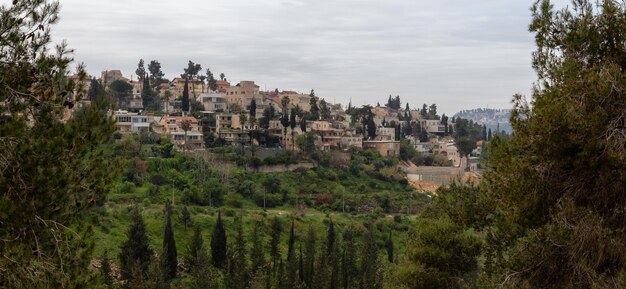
224,114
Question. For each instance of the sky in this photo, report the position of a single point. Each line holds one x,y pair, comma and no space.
459,54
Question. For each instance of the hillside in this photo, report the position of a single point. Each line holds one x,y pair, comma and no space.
491,117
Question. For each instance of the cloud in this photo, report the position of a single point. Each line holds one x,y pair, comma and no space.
459,54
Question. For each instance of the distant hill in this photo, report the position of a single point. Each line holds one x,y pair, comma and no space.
488,116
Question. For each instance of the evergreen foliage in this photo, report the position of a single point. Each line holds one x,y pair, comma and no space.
559,180
169,256
135,252
314,111
218,243
185,97
53,166
257,254
276,230
185,217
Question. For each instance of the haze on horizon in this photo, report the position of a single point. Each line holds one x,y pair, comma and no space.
458,54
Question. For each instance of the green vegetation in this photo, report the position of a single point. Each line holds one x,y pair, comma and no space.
549,212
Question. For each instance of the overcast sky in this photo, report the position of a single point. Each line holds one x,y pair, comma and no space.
460,54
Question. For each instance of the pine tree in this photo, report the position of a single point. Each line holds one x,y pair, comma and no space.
169,256
135,250
218,243
54,169
185,99
141,70
559,179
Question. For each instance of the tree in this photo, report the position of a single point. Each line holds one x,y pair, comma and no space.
185,217
222,76
292,266
185,125
141,70
121,92
135,251
268,114
191,73
185,99
306,143
371,273
257,254
203,276
324,110
371,127
105,270
169,257
303,124
559,179
211,80
156,75
276,230
389,247
218,243
238,275
349,270
94,89
432,111
147,95
440,254
309,257
314,111
292,125
253,108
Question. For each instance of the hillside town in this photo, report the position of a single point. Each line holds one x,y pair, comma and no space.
196,113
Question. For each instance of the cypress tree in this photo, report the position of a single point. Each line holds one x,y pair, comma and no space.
105,270
238,265
185,217
218,243
275,241
303,124
169,256
314,111
257,255
202,274
157,276
253,108
309,256
147,97
135,250
185,99
389,247
349,270
371,277
292,266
